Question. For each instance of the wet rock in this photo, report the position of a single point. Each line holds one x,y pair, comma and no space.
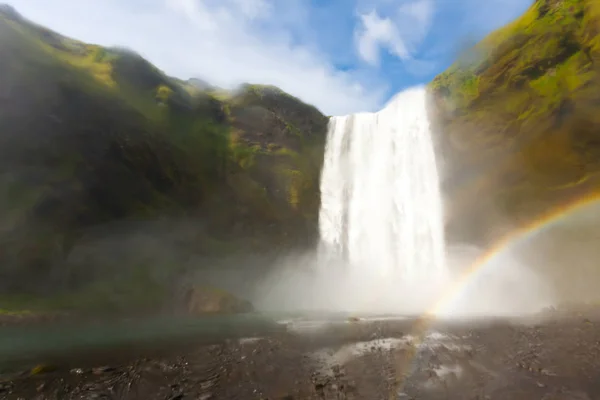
102,370
42,369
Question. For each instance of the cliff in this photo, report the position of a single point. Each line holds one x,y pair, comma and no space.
92,136
517,120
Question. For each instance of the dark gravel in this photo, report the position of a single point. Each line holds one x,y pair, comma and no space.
555,357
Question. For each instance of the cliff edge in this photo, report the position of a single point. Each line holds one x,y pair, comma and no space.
517,120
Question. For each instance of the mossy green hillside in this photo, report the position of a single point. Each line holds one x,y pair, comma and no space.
518,116
92,135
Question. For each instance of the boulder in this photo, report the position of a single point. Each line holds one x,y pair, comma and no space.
199,300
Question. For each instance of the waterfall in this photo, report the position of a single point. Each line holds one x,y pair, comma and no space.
382,247
381,207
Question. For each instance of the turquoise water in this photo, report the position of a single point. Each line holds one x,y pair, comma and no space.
22,344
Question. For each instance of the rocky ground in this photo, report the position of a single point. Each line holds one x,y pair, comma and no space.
555,356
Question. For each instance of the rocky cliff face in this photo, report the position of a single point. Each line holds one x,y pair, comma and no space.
518,120
93,135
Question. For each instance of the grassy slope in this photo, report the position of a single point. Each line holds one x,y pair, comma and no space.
520,116
92,135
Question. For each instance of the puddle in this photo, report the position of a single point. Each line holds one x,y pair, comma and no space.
306,324
437,340
445,370
249,340
444,374
329,357
437,336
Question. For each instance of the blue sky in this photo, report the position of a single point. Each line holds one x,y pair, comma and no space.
341,55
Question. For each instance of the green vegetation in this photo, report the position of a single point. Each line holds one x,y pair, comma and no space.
91,136
519,119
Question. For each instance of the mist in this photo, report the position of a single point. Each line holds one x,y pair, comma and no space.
523,278
316,282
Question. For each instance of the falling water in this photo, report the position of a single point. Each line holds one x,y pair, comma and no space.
382,251
380,198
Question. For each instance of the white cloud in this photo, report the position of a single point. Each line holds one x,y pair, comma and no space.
253,8
415,20
400,33
282,42
226,42
376,32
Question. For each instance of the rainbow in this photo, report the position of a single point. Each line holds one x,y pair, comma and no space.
424,322
524,232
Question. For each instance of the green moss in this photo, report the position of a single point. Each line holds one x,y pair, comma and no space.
244,155
163,93
94,62
116,139
519,114
523,50
294,186
14,313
